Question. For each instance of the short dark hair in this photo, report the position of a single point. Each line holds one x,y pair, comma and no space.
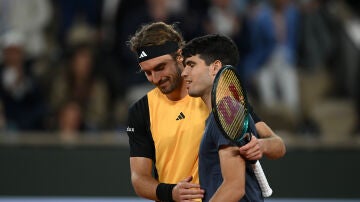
213,47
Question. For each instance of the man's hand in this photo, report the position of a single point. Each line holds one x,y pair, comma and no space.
186,191
252,150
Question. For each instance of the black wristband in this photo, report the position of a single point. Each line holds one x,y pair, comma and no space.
164,192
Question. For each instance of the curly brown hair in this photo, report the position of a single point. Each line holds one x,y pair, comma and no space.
156,33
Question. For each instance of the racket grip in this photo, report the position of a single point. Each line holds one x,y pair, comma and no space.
260,176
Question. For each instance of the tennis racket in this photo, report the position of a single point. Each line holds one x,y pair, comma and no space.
230,109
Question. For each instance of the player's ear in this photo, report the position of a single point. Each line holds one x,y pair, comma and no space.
216,66
179,57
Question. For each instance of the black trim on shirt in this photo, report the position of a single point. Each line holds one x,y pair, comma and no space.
140,137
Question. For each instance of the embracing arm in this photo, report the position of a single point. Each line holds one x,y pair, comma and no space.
233,185
145,185
272,145
269,144
141,177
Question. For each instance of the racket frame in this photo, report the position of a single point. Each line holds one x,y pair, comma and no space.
245,137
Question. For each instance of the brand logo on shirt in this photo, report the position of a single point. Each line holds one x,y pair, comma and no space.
181,116
128,129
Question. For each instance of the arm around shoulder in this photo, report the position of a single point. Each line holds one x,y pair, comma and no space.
272,145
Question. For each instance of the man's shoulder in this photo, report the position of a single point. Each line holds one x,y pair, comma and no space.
140,104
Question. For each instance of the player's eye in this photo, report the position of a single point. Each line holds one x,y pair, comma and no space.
160,67
147,73
190,64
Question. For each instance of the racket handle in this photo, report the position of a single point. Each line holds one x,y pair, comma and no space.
260,176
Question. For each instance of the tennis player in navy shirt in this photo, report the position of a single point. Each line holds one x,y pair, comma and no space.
224,174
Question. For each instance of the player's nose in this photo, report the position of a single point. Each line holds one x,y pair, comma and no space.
156,77
185,72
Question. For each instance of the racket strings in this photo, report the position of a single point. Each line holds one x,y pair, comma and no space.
231,104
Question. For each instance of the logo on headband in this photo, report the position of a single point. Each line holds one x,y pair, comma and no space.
143,54
153,51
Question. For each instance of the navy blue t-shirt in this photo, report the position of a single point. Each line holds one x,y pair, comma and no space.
209,164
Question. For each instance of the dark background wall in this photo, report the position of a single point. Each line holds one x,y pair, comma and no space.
85,170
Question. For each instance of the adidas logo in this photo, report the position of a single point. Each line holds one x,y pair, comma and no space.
128,129
181,116
143,54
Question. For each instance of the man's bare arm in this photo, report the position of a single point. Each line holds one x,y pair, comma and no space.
145,184
141,177
272,145
233,173
269,144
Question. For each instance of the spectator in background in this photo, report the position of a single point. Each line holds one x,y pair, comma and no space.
69,13
223,17
316,41
329,48
192,14
230,18
271,64
347,63
29,18
77,82
70,120
22,98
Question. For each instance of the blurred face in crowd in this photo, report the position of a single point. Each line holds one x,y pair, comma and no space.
164,72
13,72
70,117
280,4
158,9
82,63
221,3
13,55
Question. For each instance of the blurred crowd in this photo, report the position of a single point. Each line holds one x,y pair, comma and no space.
65,66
